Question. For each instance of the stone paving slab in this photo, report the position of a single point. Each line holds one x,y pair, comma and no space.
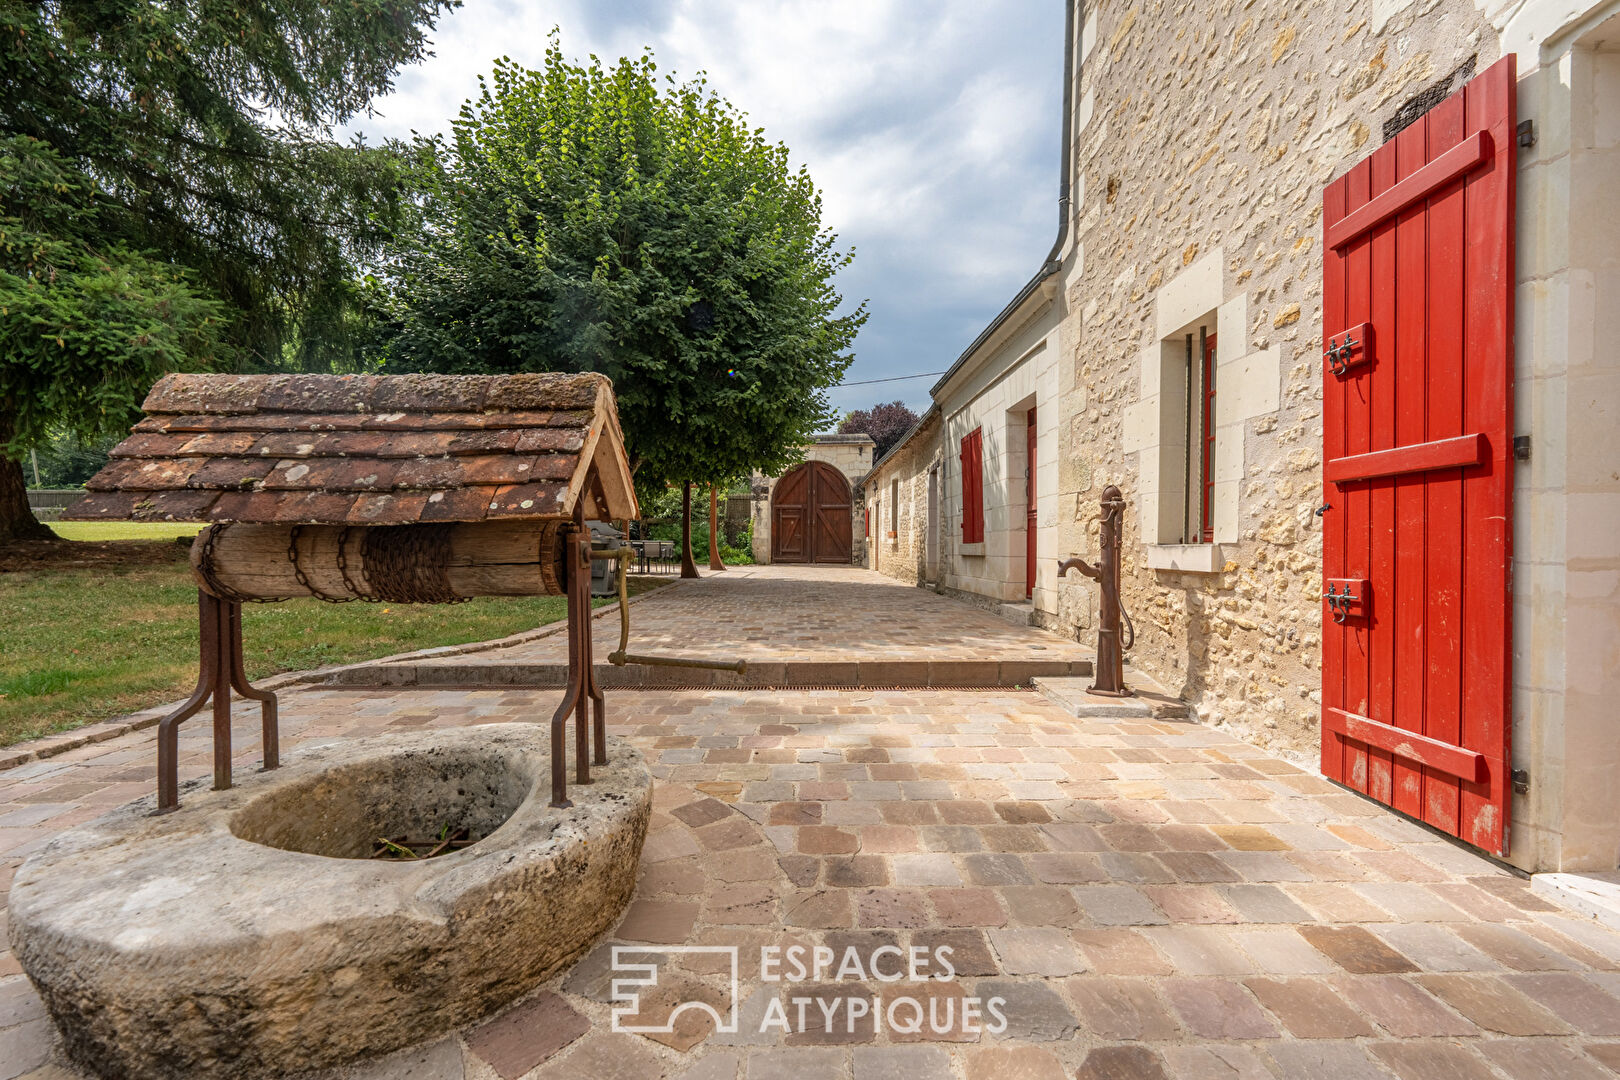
1143,898
795,626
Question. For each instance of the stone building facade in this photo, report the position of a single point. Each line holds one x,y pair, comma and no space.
1199,138
851,457
903,538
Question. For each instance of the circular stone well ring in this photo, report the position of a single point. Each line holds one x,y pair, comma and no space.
250,934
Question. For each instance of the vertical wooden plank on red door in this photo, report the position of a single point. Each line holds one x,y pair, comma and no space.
1333,747
1029,503
1488,489
1380,385
1357,390
1408,592
1444,611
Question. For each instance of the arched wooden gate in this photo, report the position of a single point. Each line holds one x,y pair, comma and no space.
810,516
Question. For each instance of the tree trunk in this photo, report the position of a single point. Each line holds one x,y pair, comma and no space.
17,521
688,567
714,530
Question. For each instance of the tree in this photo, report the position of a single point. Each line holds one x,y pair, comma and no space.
583,218
171,197
887,424
86,326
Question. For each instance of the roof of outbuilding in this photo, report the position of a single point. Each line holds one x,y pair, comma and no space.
367,450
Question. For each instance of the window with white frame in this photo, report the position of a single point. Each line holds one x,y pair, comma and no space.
1188,439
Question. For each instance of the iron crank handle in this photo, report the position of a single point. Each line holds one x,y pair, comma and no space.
621,656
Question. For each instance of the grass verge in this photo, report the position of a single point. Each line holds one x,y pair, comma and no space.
84,644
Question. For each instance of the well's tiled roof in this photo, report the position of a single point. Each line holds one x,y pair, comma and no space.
365,450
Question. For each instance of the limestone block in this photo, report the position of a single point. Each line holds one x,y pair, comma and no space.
1191,293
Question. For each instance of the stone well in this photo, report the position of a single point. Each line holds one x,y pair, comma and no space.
248,934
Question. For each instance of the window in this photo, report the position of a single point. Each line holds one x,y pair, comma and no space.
894,507
973,487
1199,521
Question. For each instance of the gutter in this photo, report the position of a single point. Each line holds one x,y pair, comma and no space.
1053,262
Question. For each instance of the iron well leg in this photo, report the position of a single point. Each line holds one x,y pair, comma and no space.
219,668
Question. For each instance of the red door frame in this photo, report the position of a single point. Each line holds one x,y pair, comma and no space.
1418,276
1029,506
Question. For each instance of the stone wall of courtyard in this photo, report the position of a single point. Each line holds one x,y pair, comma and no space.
897,498
1204,134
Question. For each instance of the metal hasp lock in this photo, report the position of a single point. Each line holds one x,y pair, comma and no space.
1344,351
1346,597
1112,643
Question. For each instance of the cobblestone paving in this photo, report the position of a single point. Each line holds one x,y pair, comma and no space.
802,613
1147,899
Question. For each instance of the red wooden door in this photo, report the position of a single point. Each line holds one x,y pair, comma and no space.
1417,466
1029,506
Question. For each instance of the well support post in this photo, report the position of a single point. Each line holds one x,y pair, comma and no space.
220,669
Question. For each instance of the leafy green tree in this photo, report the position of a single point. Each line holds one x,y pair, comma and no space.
591,218
67,460
171,196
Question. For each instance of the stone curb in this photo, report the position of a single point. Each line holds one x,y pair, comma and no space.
48,746
1595,894
836,674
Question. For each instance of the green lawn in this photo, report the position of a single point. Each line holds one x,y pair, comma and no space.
123,530
84,645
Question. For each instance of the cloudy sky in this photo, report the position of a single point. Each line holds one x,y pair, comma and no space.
931,127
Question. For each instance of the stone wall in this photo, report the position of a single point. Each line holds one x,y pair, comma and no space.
1204,134
897,501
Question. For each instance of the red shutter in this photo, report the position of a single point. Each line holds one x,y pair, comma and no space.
972,459
1206,516
970,506
1417,466
976,504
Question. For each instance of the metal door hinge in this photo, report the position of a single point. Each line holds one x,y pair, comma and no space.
1521,448
1527,134
1521,780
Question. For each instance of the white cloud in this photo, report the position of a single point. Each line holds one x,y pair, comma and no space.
932,129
